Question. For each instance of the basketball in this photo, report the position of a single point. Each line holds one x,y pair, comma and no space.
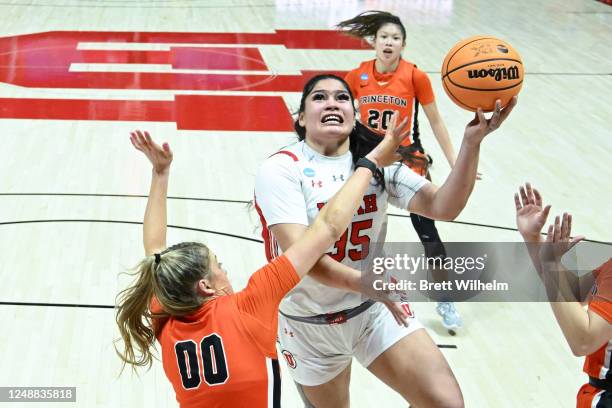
481,69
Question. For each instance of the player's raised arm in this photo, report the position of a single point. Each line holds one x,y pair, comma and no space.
448,200
335,216
155,219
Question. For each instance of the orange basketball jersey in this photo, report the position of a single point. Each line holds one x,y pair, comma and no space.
598,364
378,95
224,355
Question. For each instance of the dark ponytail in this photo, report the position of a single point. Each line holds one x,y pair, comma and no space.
368,23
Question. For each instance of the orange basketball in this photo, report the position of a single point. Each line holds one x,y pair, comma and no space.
481,69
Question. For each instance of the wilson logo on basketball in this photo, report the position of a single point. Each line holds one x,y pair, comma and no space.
497,73
291,362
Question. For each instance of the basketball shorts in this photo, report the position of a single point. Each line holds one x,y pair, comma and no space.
317,353
591,397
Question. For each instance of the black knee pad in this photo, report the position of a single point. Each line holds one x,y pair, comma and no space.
428,234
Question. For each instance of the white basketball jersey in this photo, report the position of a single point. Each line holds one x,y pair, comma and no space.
290,188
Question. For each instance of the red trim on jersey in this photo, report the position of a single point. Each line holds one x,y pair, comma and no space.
269,241
288,153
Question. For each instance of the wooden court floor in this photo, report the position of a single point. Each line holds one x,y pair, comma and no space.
78,75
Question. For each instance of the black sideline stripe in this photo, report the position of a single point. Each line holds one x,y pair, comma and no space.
275,366
217,200
475,224
57,305
133,223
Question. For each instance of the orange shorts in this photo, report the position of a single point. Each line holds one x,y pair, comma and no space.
589,397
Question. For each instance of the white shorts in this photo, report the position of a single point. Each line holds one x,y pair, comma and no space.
316,353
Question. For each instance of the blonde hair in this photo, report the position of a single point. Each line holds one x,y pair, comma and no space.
172,280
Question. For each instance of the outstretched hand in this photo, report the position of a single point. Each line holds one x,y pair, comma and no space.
530,216
159,156
559,239
480,126
385,153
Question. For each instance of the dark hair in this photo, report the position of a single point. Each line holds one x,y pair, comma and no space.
361,139
369,22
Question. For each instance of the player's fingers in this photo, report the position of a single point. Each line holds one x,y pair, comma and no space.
495,118
401,127
134,142
524,199
405,135
508,108
564,230
401,317
392,122
538,197
148,138
397,312
529,191
482,120
517,202
557,230
545,212
550,234
141,139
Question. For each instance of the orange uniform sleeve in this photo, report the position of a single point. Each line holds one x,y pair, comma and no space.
351,80
422,87
601,300
266,288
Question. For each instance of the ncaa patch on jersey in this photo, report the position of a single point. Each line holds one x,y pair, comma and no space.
364,76
308,172
291,362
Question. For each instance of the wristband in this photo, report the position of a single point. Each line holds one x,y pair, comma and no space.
367,163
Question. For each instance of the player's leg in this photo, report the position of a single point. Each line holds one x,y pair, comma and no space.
434,248
408,361
332,394
318,357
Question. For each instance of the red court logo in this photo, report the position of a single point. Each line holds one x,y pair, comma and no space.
178,67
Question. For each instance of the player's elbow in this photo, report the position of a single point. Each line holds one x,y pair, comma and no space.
443,210
445,214
579,350
583,346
